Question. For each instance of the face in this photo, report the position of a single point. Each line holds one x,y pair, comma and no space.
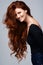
20,14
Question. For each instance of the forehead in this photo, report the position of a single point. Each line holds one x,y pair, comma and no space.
18,9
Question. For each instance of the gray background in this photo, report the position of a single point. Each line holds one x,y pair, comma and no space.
36,7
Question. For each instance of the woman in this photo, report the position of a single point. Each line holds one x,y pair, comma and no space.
24,28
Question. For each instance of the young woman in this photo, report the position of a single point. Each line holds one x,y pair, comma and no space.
24,28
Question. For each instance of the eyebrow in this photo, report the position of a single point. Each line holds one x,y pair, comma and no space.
17,12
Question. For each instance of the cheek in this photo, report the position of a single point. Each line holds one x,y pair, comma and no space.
22,14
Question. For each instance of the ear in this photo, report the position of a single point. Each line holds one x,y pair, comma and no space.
26,11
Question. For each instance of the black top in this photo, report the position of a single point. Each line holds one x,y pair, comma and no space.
35,38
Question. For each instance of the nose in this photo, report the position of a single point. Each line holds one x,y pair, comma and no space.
18,16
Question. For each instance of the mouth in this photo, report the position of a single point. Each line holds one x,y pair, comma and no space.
19,19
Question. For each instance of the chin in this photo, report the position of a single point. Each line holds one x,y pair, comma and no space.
21,20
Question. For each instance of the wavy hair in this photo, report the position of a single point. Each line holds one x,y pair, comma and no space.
17,30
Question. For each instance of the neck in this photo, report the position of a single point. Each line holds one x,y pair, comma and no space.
27,19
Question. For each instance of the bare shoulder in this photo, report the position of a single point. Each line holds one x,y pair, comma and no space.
34,21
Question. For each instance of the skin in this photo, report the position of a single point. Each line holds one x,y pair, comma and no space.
18,34
20,14
23,16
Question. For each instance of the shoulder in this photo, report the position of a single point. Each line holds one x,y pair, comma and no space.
35,22
35,30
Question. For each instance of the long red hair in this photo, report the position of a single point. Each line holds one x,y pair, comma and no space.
17,31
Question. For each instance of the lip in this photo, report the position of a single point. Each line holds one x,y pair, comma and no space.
19,19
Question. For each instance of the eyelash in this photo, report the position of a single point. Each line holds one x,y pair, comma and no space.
18,13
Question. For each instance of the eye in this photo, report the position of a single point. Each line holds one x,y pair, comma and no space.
16,14
19,12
